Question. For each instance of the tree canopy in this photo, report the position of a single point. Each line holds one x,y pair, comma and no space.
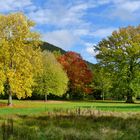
102,80
120,53
19,55
53,78
78,72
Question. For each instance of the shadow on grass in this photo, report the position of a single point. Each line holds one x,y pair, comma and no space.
2,104
107,101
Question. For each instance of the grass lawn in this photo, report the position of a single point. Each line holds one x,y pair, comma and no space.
31,107
37,120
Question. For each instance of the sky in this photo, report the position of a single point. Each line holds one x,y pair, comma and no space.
76,25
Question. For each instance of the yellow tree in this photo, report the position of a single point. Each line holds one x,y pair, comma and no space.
19,55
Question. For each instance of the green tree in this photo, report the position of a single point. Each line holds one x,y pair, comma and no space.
57,54
102,80
120,53
19,55
53,78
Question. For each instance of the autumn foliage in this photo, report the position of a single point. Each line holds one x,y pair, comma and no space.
77,70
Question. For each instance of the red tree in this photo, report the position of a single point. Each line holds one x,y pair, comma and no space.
77,70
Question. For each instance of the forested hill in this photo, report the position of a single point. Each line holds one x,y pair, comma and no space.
50,47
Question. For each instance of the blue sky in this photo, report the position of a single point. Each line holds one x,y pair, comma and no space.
76,25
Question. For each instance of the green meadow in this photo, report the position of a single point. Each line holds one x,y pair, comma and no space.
69,120
31,107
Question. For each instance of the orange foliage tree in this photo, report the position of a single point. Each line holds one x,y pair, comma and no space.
80,76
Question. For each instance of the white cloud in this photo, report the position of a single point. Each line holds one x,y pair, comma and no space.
41,16
88,52
124,9
90,49
82,32
104,32
130,6
63,14
66,38
102,2
62,38
14,5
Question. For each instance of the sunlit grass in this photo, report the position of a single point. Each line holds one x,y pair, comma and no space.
31,107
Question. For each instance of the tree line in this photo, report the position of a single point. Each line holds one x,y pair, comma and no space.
25,69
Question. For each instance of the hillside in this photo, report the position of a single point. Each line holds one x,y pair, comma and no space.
50,47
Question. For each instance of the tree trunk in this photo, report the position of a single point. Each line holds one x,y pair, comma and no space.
130,78
129,99
45,97
103,96
10,99
9,92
